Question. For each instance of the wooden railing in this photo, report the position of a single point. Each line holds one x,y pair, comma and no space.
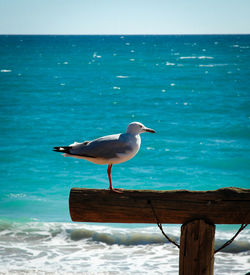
197,211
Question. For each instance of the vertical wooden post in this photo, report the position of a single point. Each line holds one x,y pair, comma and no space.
197,248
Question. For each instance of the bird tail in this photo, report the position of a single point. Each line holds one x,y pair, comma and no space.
62,149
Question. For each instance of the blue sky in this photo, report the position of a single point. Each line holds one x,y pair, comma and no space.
124,16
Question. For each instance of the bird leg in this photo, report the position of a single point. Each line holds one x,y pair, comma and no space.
110,180
109,175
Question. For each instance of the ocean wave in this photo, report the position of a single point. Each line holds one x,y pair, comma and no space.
121,76
196,57
212,65
23,197
65,247
105,234
170,64
6,71
205,57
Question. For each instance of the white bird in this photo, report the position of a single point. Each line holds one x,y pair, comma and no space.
110,149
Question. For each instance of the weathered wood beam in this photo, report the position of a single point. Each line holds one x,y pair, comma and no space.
222,206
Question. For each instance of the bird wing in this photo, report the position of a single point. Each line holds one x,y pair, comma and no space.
105,147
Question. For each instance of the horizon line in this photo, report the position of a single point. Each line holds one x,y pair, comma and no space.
122,34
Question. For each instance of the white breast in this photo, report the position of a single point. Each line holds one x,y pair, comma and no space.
135,144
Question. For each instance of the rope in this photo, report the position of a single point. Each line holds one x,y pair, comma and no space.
160,226
243,226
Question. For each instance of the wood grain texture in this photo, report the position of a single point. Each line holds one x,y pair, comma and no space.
222,206
197,248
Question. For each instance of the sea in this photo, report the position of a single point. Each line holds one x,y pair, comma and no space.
193,90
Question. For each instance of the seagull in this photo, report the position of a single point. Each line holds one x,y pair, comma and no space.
112,149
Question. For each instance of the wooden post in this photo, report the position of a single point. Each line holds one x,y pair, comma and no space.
197,248
198,211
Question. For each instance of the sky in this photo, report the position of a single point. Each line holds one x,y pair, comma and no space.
124,16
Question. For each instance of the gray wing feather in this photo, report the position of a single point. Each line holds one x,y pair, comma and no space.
105,147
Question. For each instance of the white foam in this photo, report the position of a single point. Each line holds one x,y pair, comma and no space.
206,65
205,57
170,64
23,196
6,71
212,65
196,57
67,248
96,56
121,76
188,57
17,195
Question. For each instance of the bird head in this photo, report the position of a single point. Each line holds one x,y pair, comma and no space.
138,128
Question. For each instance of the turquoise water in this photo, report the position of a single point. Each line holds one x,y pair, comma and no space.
193,90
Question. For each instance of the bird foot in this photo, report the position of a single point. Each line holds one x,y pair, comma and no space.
116,190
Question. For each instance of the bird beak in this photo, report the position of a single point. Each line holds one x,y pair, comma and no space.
149,130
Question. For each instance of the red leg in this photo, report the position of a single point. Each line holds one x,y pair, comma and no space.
109,175
110,180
